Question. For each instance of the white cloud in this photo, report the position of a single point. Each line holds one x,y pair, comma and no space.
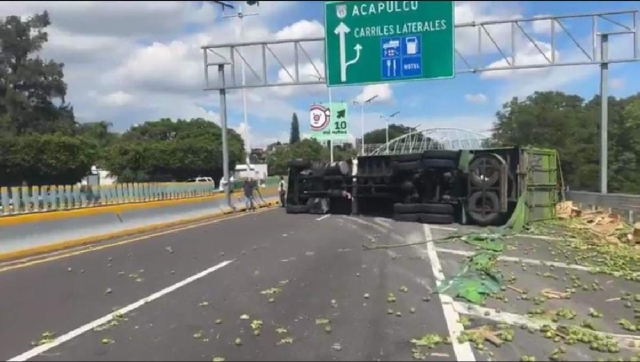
477,98
533,54
523,83
382,92
544,26
301,29
117,99
310,71
478,11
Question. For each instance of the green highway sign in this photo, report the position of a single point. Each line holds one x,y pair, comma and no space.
369,42
329,122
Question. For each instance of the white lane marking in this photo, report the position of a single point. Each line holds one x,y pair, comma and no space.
90,326
363,222
383,222
462,351
518,320
323,217
438,227
544,237
556,264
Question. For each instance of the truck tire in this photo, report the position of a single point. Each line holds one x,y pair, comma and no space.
430,208
407,158
405,166
302,164
439,163
406,217
488,217
318,170
491,163
296,209
436,219
441,154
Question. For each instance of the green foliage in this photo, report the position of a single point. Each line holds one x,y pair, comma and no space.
45,159
37,129
165,150
572,126
380,135
295,130
30,86
308,149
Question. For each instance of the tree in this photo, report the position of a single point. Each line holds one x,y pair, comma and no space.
295,130
38,140
165,150
100,134
52,159
379,135
30,86
307,149
566,123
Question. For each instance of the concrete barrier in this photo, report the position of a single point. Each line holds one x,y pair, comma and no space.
27,235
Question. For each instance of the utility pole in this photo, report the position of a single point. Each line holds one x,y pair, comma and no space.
386,121
362,104
604,112
240,15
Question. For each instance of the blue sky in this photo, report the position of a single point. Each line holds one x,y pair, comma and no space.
129,62
470,100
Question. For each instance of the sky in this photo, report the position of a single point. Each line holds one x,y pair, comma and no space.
131,62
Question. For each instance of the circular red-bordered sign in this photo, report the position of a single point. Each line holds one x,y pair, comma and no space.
319,117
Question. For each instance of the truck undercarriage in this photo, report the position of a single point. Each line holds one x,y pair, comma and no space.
481,187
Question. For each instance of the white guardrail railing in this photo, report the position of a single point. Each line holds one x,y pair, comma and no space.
626,205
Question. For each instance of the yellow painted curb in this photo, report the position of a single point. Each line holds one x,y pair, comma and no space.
18,219
59,246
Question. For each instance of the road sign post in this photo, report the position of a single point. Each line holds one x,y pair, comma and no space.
370,42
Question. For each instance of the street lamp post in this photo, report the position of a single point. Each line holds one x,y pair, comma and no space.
386,120
362,104
240,15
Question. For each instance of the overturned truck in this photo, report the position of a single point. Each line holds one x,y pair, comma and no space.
479,187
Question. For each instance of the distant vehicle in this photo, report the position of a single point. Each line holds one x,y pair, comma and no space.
200,179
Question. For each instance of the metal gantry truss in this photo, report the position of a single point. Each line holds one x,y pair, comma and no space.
289,62
430,139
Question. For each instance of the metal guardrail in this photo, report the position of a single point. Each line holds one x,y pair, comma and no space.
24,200
621,204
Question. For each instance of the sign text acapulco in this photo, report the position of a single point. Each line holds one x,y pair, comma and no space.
390,7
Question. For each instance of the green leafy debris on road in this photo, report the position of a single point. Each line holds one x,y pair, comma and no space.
45,338
480,276
108,341
281,330
115,321
286,340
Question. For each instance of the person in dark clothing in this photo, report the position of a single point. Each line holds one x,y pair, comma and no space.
249,188
282,190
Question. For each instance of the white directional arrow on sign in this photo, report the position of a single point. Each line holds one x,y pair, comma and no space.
358,48
342,30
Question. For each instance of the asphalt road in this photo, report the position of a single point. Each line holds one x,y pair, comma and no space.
314,266
271,286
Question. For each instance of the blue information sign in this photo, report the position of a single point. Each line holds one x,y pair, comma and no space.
401,57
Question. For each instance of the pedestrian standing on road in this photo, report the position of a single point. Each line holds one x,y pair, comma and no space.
282,190
248,188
